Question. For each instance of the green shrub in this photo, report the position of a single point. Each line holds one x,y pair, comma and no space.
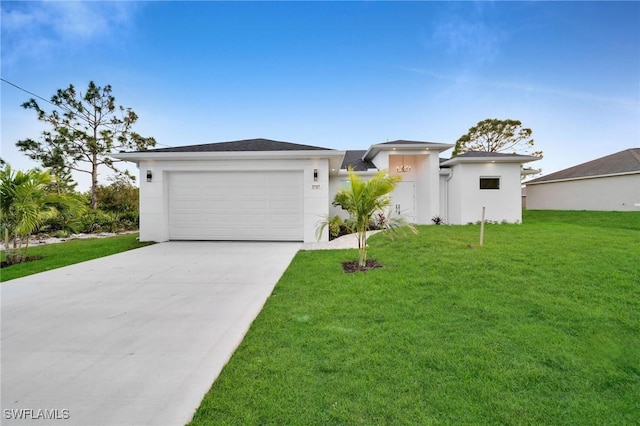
99,221
334,226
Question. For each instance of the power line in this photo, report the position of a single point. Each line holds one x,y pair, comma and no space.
49,102
26,91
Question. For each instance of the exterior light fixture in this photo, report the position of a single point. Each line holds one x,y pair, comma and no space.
315,175
149,176
403,168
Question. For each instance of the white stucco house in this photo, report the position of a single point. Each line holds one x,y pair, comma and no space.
610,183
260,189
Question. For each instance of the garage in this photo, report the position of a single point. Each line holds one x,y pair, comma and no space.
243,205
250,189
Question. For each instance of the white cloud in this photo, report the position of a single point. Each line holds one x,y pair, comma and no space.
471,41
531,88
42,29
467,37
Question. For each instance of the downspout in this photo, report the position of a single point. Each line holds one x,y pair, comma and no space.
446,194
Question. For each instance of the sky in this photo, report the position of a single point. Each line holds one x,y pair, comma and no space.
342,75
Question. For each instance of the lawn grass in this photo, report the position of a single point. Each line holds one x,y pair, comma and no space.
539,326
70,252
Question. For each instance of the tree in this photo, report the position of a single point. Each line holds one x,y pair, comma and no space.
494,135
362,199
119,197
25,203
86,129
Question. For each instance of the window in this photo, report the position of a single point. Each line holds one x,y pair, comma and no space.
489,183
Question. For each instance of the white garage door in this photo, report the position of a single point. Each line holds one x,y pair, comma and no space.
236,206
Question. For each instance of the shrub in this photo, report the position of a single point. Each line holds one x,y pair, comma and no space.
335,224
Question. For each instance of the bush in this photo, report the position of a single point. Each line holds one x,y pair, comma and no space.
335,224
101,221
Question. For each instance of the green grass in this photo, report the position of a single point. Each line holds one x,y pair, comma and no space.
539,326
70,252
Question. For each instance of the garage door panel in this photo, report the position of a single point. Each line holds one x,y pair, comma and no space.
250,205
236,206
217,193
283,205
217,205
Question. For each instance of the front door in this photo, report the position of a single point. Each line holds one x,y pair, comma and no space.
403,202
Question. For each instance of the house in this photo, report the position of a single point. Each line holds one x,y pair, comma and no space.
609,183
260,189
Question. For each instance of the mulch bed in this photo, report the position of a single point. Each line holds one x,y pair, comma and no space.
28,259
352,266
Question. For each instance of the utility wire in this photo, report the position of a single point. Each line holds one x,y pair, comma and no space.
49,102
26,91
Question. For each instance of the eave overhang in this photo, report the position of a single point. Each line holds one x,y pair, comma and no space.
412,148
520,159
335,157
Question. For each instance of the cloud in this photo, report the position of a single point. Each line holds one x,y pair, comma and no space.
41,29
475,41
530,88
466,35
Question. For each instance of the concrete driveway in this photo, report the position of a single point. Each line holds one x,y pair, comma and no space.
131,339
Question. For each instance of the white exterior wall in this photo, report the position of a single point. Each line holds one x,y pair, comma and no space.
466,199
614,193
336,183
381,160
424,173
444,198
154,197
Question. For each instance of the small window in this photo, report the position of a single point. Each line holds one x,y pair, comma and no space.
489,183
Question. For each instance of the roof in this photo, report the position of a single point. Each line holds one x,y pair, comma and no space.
483,156
407,142
407,146
623,162
252,145
354,159
487,154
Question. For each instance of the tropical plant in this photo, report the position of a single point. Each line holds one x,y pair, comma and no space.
362,199
25,203
334,226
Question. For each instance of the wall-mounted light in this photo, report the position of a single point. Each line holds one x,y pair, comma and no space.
315,175
149,176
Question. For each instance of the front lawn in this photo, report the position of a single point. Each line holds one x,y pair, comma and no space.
70,252
540,326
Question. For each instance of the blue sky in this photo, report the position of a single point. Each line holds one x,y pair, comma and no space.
341,75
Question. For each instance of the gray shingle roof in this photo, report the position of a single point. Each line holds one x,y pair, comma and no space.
354,159
627,161
242,145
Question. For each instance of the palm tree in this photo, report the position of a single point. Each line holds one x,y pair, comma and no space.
25,203
362,199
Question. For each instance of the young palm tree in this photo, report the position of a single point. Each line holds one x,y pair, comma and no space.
25,203
362,199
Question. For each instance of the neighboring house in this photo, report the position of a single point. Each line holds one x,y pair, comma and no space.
609,183
260,189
